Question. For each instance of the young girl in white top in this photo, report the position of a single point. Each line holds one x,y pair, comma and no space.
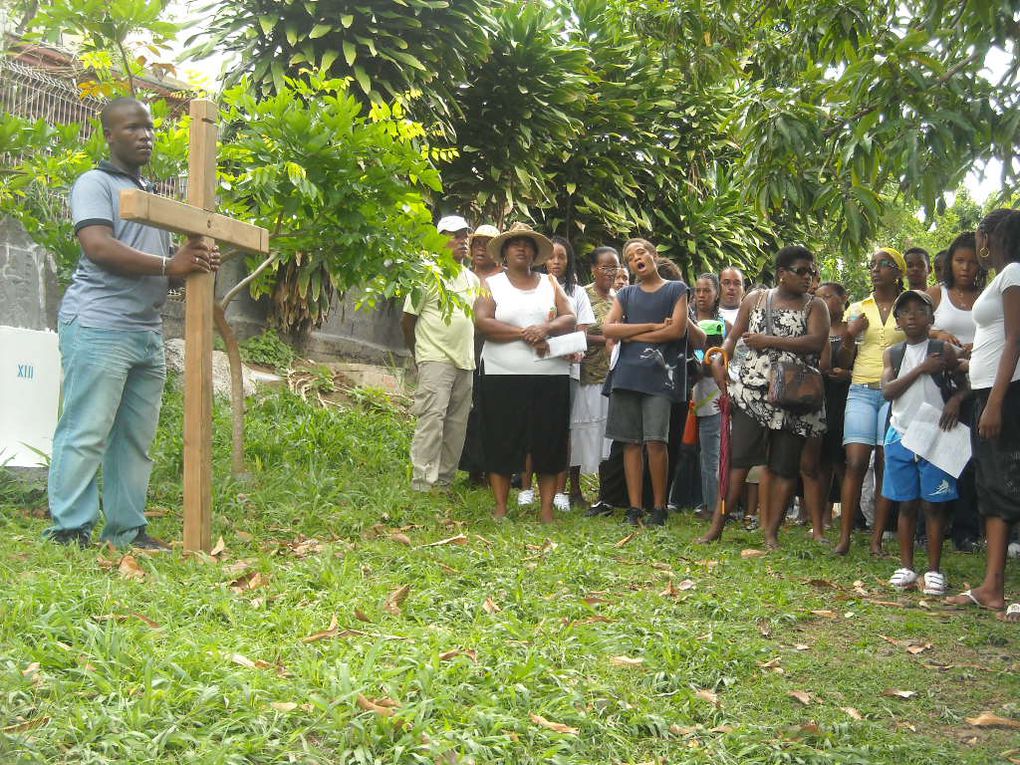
963,278
995,379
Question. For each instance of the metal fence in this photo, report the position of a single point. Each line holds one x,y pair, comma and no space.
52,94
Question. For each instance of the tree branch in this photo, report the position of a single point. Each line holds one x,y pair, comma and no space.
232,293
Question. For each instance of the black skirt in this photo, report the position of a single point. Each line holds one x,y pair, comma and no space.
997,463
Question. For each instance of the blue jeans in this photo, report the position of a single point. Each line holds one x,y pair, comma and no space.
866,416
113,386
709,431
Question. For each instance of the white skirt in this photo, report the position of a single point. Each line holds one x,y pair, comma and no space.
588,443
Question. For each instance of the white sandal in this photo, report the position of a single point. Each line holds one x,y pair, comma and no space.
903,579
934,583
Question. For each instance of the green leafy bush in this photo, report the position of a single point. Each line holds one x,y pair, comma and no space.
268,350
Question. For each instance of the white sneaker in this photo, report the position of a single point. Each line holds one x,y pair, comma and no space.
525,497
903,579
934,583
561,502
1013,551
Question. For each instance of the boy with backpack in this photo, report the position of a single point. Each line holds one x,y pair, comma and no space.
919,371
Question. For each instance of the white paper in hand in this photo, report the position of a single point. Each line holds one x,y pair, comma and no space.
565,345
946,449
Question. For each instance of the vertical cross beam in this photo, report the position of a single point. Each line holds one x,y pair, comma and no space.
198,333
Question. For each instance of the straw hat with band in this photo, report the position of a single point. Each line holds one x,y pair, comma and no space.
485,231
898,259
543,246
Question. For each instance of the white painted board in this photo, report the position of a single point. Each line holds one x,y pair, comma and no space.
29,395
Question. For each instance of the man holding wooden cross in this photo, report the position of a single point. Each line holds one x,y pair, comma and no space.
111,343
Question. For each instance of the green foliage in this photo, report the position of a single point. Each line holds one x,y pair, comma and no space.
119,39
267,350
43,161
224,676
342,194
522,113
389,50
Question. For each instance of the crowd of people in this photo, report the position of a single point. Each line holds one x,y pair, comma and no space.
739,402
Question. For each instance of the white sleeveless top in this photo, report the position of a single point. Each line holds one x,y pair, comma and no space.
953,320
521,308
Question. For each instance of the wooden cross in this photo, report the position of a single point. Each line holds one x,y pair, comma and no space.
197,219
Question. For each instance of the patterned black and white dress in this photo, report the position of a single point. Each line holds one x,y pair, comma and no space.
750,392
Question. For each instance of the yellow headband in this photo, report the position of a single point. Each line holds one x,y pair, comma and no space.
896,256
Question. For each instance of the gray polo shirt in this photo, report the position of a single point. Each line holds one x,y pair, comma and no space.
98,297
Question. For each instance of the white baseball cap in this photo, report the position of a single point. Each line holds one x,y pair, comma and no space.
451,224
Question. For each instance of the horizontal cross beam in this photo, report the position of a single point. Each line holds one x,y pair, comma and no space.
168,214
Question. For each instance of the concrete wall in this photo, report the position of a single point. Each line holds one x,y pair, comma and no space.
30,296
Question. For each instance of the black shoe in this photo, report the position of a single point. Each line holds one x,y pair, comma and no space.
657,517
79,537
144,542
634,516
599,508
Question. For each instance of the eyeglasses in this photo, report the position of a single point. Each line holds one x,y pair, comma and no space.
804,271
886,263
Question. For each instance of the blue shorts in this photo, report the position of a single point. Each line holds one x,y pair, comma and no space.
909,477
866,416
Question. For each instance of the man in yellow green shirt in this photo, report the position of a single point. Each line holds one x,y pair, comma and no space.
443,350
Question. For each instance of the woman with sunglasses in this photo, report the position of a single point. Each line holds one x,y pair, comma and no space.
872,327
762,432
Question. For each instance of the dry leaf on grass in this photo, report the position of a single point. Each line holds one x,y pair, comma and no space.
825,613
853,713
671,591
547,546
490,606
460,539
684,730
593,600
395,599
484,541
989,720
916,648
626,540
596,619
686,584
361,616
752,552
244,661
27,725
771,663
898,694
129,568
553,726
888,603
706,695
283,706
248,582
219,548
626,661
244,536
330,631
401,538
800,647
802,696
469,652
383,707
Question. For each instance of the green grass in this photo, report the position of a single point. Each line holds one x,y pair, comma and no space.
84,680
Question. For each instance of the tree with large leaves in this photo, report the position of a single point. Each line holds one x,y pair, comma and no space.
387,48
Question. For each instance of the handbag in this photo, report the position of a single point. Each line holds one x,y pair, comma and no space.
793,385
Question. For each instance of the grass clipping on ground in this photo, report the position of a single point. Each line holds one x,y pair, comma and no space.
342,618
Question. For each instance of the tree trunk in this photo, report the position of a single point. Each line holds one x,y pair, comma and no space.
236,388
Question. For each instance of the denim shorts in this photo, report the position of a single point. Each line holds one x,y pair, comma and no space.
636,418
867,414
